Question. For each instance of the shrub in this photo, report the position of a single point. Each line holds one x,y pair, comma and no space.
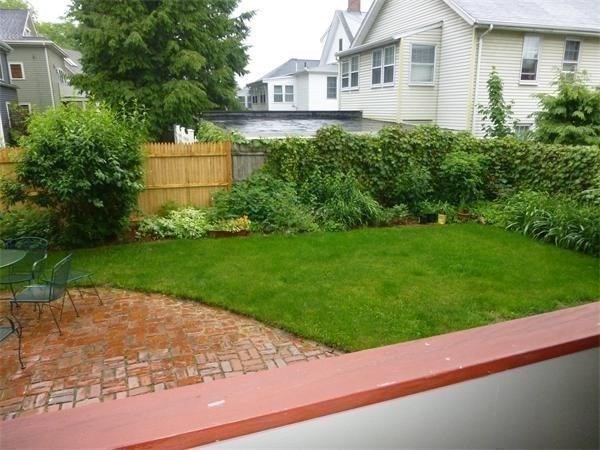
209,132
497,115
271,204
463,177
395,215
85,166
339,203
184,223
20,222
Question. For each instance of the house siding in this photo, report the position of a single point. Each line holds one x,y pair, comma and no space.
302,96
317,93
281,106
7,94
503,49
454,64
35,88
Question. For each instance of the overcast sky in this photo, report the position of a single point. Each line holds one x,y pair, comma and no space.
281,29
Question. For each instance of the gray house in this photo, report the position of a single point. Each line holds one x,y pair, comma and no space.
37,66
8,93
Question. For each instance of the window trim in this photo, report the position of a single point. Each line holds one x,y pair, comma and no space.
1,69
349,73
383,66
564,61
410,66
328,87
535,81
285,93
275,93
16,63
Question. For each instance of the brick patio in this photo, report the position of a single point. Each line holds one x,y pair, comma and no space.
134,344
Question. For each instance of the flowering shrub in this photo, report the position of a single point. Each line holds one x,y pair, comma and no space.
233,225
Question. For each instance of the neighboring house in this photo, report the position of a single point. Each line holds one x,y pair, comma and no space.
37,66
307,84
8,93
427,61
243,96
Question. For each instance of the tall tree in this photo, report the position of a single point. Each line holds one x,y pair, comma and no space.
61,33
16,4
176,58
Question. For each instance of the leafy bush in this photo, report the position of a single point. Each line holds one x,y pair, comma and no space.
85,166
232,225
20,222
339,203
555,219
497,114
209,132
572,115
271,204
184,223
463,177
395,215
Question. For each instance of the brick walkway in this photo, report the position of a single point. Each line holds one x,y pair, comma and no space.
133,345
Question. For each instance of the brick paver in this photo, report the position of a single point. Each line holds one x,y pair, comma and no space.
133,345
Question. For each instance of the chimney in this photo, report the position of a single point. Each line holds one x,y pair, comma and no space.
354,6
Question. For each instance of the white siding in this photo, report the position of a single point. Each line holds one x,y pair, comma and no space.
302,92
378,103
317,93
455,62
419,103
503,49
284,106
328,56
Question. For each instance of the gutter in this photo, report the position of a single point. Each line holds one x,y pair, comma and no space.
49,76
478,76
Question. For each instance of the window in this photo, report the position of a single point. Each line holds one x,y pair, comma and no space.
340,45
332,87
278,94
422,64
571,56
25,110
350,73
531,54
289,94
254,99
383,66
263,98
1,71
522,130
16,71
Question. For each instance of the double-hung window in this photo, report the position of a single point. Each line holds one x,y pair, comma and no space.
350,73
422,64
531,55
278,94
571,56
331,87
382,66
289,94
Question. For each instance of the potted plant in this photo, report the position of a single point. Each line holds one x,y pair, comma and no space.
444,209
427,212
230,227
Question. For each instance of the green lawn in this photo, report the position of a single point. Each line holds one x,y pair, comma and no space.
364,288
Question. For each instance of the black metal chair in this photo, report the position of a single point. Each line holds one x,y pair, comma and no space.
6,330
78,275
30,267
46,294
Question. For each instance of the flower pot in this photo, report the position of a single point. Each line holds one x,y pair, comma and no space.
464,216
428,218
226,234
441,219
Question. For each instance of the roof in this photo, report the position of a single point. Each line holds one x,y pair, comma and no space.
571,15
290,67
34,41
581,16
352,21
73,60
12,23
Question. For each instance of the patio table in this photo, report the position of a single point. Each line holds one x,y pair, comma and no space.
8,257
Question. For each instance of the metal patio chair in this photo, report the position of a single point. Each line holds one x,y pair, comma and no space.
13,326
78,275
47,294
30,267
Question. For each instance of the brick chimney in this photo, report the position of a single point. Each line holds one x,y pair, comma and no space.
354,6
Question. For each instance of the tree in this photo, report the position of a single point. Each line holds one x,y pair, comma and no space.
61,33
497,114
16,4
176,58
572,115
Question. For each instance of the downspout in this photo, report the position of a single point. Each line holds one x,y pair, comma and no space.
478,75
49,76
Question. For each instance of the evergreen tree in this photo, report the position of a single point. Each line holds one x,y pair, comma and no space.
176,58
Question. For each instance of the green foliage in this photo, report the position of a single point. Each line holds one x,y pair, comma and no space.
19,117
394,215
463,177
184,223
61,33
20,222
555,219
572,115
209,132
177,58
339,203
85,167
271,204
16,4
497,115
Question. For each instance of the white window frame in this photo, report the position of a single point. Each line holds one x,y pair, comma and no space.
434,64
535,81
382,66
15,63
275,93
564,61
348,74
327,96
286,95
522,129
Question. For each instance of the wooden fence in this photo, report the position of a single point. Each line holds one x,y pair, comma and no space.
186,174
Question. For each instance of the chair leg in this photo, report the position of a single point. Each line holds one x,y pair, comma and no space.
54,317
96,290
72,303
19,331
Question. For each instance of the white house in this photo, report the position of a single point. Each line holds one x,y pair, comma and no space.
307,84
427,61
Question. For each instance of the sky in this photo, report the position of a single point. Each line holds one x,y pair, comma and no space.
280,29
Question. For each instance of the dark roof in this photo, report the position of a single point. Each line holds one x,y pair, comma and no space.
290,67
12,23
73,56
